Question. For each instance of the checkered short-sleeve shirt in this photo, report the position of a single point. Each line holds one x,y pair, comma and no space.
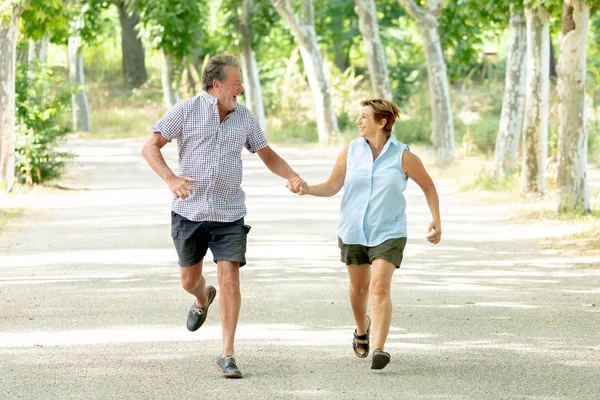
210,152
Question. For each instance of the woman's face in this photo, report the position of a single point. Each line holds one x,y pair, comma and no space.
367,125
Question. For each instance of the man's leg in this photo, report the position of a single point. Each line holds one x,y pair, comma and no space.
194,283
381,303
230,301
358,292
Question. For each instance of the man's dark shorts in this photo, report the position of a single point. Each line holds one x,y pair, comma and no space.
391,250
226,240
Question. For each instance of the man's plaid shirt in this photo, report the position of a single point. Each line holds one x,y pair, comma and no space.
210,152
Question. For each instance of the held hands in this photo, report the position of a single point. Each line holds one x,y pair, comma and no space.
179,186
435,232
297,185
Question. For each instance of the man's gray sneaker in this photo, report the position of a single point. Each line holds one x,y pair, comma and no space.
227,367
196,315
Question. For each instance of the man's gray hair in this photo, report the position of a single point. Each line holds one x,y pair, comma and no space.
215,70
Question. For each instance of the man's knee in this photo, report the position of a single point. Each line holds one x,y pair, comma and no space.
360,289
229,275
190,276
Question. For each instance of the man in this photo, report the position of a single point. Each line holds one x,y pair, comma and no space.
208,208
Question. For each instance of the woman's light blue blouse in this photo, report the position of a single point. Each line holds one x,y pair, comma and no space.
373,205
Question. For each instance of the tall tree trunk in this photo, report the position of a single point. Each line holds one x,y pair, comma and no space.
442,135
79,101
253,90
305,35
572,135
369,29
535,124
341,56
170,94
38,50
9,31
511,119
133,60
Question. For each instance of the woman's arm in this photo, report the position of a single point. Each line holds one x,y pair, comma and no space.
335,182
413,167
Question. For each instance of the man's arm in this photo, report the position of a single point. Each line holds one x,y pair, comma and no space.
151,152
280,167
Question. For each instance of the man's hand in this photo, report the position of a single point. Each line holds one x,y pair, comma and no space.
297,185
179,186
435,232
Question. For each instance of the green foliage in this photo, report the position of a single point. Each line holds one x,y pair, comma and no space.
41,97
173,26
45,18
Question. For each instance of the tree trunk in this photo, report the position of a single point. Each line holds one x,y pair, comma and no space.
341,55
511,119
170,94
79,102
253,91
369,29
535,124
442,135
305,35
9,31
38,50
572,135
133,60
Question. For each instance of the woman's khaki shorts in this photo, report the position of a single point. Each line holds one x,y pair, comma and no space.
391,250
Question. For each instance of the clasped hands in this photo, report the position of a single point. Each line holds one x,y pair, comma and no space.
297,185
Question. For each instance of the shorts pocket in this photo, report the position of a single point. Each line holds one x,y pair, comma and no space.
174,233
247,228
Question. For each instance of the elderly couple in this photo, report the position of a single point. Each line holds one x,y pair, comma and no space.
208,208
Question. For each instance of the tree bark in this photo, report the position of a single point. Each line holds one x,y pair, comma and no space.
133,60
9,31
369,29
442,135
572,180
305,35
79,101
535,124
511,119
253,90
170,94
38,50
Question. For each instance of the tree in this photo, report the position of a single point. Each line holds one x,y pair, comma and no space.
572,180
306,37
535,124
243,21
369,29
10,12
80,105
442,134
132,49
173,27
511,119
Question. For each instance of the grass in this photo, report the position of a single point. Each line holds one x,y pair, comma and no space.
127,122
7,214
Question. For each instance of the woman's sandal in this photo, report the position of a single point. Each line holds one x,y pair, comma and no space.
363,346
380,359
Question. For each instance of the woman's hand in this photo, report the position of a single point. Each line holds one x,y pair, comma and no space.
435,232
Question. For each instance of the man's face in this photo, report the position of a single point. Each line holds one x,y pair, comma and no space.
229,89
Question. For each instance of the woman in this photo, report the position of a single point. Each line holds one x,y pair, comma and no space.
374,170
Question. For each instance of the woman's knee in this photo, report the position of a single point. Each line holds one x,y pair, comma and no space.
380,288
360,289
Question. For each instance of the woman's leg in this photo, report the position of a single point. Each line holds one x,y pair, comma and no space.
381,303
358,292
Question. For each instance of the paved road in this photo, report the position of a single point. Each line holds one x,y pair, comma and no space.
91,307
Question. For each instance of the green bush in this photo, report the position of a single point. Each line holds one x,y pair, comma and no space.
41,97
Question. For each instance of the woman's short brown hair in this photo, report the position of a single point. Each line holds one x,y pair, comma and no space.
383,109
